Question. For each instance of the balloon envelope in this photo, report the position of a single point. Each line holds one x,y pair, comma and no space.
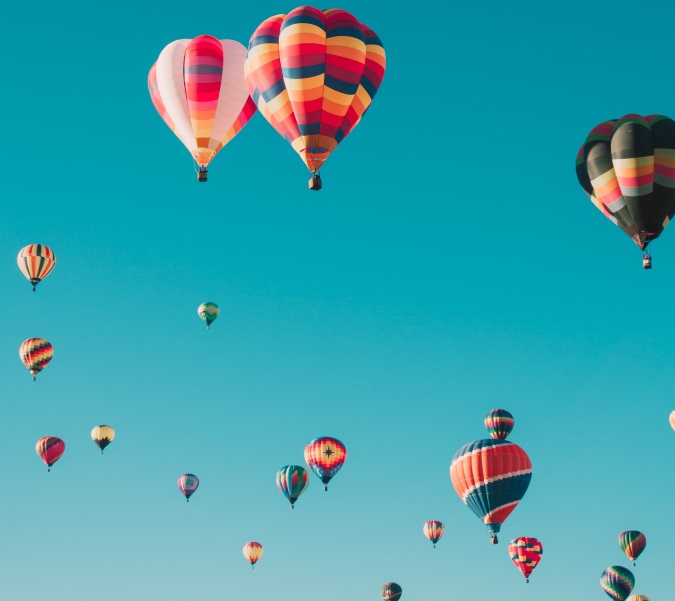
208,312
187,484
198,88
627,168
36,353
491,476
617,582
313,74
433,530
632,543
391,591
36,262
50,449
252,552
525,553
102,435
292,480
325,456
671,419
499,423
638,598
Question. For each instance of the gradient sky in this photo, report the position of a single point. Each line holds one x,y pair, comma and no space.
450,265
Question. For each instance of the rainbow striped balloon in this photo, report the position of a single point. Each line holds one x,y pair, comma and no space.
292,480
36,353
632,543
499,423
617,582
313,74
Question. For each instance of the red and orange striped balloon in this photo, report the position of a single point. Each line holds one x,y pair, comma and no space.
313,74
36,262
36,353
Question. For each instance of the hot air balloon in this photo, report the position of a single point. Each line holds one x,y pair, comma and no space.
208,312
292,480
391,591
36,353
627,169
102,436
313,74
499,423
36,262
433,530
632,543
188,484
671,419
638,598
491,477
526,553
50,449
617,582
252,552
198,88
325,456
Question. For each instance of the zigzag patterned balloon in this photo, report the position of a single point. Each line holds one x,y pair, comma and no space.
617,582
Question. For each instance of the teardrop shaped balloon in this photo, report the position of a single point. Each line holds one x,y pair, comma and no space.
499,423
491,477
208,312
36,262
617,582
252,552
198,88
525,553
292,480
433,530
50,449
627,168
391,591
187,484
102,435
36,353
632,543
671,419
325,456
313,74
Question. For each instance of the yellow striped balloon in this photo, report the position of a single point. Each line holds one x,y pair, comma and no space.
36,262
36,353
102,435
638,598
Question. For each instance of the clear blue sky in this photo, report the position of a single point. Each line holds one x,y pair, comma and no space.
450,265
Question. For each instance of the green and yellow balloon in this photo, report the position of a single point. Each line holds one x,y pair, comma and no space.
208,312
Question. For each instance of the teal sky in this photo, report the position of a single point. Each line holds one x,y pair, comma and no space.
451,265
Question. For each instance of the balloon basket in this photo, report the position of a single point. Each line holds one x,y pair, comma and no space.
201,175
315,182
494,540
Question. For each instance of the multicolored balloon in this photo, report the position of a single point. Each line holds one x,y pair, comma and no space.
632,543
433,530
252,552
102,435
491,476
627,168
50,449
292,480
36,262
499,423
325,456
208,312
671,419
617,582
526,553
198,88
187,484
391,591
313,74
36,353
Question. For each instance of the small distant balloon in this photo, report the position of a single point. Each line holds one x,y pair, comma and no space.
617,582
208,312
325,456
292,480
433,530
391,591
252,552
102,435
638,598
632,543
671,419
499,423
36,353
188,484
525,553
50,449
36,262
